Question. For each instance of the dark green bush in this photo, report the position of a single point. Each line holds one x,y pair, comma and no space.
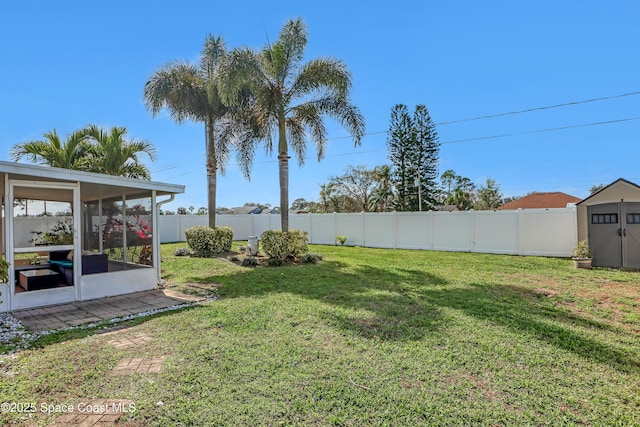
250,262
311,258
207,242
275,262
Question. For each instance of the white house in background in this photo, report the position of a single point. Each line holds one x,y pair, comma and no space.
111,229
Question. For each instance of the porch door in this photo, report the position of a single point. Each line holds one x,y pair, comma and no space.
24,229
605,234
631,235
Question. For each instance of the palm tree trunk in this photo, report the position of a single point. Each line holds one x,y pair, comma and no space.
283,167
283,163
212,170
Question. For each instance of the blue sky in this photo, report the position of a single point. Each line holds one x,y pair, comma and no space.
68,64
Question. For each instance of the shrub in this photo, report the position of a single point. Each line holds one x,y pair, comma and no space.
311,258
278,244
4,271
182,252
250,262
206,242
341,240
275,262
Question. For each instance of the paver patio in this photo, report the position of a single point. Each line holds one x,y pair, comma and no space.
95,412
84,312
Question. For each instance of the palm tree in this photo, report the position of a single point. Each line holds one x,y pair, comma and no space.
190,92
291,99
111,153
52,151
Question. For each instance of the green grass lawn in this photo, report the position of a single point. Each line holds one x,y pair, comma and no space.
367,337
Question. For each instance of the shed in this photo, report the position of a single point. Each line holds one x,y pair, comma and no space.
609,220
106,240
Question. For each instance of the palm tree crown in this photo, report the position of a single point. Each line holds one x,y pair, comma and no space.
52,151
191,92
291,99
90,149
111,154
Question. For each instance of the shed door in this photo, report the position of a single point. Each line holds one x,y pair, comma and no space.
631,235
605,234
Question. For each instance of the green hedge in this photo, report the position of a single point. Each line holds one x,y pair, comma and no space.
278,244
207,242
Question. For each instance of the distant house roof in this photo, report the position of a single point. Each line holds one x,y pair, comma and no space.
556,199
446,208
243,210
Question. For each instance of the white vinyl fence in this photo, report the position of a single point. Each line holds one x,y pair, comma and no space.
546,232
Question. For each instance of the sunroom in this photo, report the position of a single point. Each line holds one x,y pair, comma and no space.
71,235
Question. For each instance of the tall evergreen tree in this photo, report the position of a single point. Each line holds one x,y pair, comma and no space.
428,147
414,151
398,144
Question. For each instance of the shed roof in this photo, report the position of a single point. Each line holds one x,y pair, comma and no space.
555,199
602,195
94,185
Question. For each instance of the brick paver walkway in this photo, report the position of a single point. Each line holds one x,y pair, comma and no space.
83,312
127,342
95,412
140,365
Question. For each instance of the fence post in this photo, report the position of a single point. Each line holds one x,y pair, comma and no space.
430,229
472,230
364,229
519,231
395,229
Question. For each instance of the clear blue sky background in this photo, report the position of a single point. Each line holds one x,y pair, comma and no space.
67,64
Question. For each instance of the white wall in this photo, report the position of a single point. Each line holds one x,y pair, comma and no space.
546,232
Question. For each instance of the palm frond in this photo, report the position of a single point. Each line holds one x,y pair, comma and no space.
296,135
345,113
180,88
288,50
325,75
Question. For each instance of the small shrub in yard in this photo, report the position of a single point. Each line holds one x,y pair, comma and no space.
250,262
278,244
182,252
275,262
311,258
207,242
341,240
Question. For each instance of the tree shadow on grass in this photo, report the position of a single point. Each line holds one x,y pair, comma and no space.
508,306
408,304
372,302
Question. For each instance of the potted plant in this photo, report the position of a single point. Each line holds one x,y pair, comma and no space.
582,255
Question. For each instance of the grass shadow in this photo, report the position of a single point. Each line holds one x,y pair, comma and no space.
507,306
406,304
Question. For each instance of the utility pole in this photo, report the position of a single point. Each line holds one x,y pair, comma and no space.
418,184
